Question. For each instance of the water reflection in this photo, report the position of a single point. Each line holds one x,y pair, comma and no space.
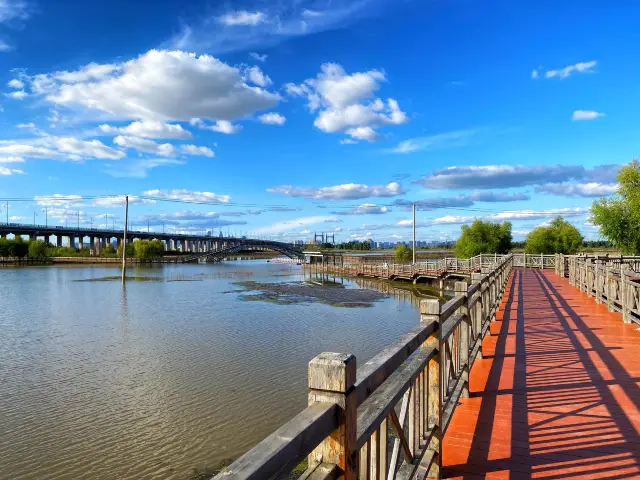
156,378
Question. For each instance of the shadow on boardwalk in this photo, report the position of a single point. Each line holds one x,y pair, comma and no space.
556,395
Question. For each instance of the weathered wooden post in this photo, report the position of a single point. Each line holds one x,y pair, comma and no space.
598,280
609,287
331,379
624,296
478,310
430,312
462,288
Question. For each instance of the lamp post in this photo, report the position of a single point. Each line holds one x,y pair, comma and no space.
34,218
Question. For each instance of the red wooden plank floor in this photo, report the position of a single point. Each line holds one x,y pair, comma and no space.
557,394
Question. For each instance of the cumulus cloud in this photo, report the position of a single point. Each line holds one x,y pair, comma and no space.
221,126
272,119
146,145
506,176
4,171
294,224
119,201
197,151
460,201
16,83
350,191
58,200
17,95
592,189
565,72
256,76
158,85
586,115
459,138
346,103
149,129
364,209
59,148
11,160
188,196
536,214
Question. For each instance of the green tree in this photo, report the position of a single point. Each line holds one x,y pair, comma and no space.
148,249
18,248
131,250
484,237
619,217
4,247
108,251
37,249
559,237
403,253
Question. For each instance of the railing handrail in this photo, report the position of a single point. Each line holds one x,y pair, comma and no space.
448,339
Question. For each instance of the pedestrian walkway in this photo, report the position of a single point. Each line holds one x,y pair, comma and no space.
557,394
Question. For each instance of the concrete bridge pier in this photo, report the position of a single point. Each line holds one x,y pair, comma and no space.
58,241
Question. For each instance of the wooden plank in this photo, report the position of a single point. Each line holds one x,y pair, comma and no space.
449,325
285,448
322,471
373,373
380,404
451,306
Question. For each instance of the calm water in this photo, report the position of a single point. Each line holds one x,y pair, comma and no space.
164,376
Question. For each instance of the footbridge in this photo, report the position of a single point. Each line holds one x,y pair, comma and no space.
524,373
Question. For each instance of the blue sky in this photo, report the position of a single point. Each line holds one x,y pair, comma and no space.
284,118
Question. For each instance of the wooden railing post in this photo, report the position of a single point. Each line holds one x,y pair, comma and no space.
609,287
331,379
624,296
462,288
430,311
598,280
478,310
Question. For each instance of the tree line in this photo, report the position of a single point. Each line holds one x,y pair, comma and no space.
19,248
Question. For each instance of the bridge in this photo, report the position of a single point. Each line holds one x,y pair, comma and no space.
204,246
524,373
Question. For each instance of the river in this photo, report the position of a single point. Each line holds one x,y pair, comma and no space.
179,370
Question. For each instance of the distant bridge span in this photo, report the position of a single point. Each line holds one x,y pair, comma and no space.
234,246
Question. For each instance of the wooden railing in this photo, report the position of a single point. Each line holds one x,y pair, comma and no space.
612,281
386,419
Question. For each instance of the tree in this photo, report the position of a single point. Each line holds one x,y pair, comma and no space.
4,247
108,251
402,253
131,250
559,237
619,217
37,249
484,237
148,249
18,248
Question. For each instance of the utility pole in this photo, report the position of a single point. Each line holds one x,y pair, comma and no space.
163,226
124,239
7,205
34,218
414,234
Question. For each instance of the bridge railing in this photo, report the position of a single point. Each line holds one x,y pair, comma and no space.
353,427
613,283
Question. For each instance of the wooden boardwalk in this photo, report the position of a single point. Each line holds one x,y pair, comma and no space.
557,394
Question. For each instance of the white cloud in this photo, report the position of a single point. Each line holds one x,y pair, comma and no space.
256,76
29,126
4,171
272,119
150,129
459,138
16,83
535,74
537,214
364,209
60,148
145,145
462,201
242,17
258,57
17,95
159,85
592,189
11,160
346,103
586,115
119,201
221,126
5,47
294,224
350,191
453,220
562,73
505,176
198,151
348,141
189,196
273,23
140,168
14,10
58,200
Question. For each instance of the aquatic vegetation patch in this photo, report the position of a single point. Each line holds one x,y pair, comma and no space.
302,292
